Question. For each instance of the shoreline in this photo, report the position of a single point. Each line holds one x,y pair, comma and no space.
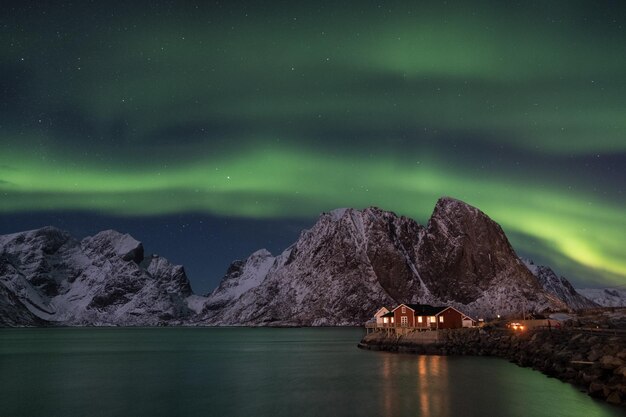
595,363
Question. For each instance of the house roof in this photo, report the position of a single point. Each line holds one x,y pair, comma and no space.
427,310
424,309
382,309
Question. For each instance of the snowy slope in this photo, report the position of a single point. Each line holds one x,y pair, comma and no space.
559,286
240,278
101,280
13,312
606,297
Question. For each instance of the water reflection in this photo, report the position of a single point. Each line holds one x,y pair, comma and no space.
410,382
261,372
387,384
432,372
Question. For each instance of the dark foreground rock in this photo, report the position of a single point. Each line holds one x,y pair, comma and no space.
594,362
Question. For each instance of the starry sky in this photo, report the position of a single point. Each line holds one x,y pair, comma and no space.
208,130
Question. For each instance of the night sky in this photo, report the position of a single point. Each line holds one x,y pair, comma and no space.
209,131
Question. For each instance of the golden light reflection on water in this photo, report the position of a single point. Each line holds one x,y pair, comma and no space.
387,382
432,385
417,385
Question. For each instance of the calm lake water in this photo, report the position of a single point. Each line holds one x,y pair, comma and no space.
261,372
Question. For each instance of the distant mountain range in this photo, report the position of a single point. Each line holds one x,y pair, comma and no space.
337,273
102,280
606,297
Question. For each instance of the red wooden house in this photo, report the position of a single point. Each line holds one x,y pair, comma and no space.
427,317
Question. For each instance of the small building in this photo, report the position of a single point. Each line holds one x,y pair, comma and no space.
427,317
378,316
541,323
388,320
409,317
468,321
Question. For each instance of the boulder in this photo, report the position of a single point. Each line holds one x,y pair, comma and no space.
595,388
610,362
614,398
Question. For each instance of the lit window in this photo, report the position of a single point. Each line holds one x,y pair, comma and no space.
392,319
385,320
433,319
419,319
440,319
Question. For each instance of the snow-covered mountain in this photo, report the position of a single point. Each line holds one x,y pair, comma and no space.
353,261
605,297
47,275
559,286
339,272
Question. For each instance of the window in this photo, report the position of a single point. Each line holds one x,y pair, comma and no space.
385,320
404,321
440,319
403,309
433,319
419,319
392,319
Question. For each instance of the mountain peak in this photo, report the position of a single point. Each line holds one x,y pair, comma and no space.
45,232
449,207
47,239
116,243
49,230
338,213
450,200
261,253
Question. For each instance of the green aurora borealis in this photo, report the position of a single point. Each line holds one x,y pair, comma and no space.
283,111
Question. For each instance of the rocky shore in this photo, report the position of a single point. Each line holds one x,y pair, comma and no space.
594,362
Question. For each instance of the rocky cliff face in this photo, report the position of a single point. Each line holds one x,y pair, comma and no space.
466,260
351,262
101,280
13,312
